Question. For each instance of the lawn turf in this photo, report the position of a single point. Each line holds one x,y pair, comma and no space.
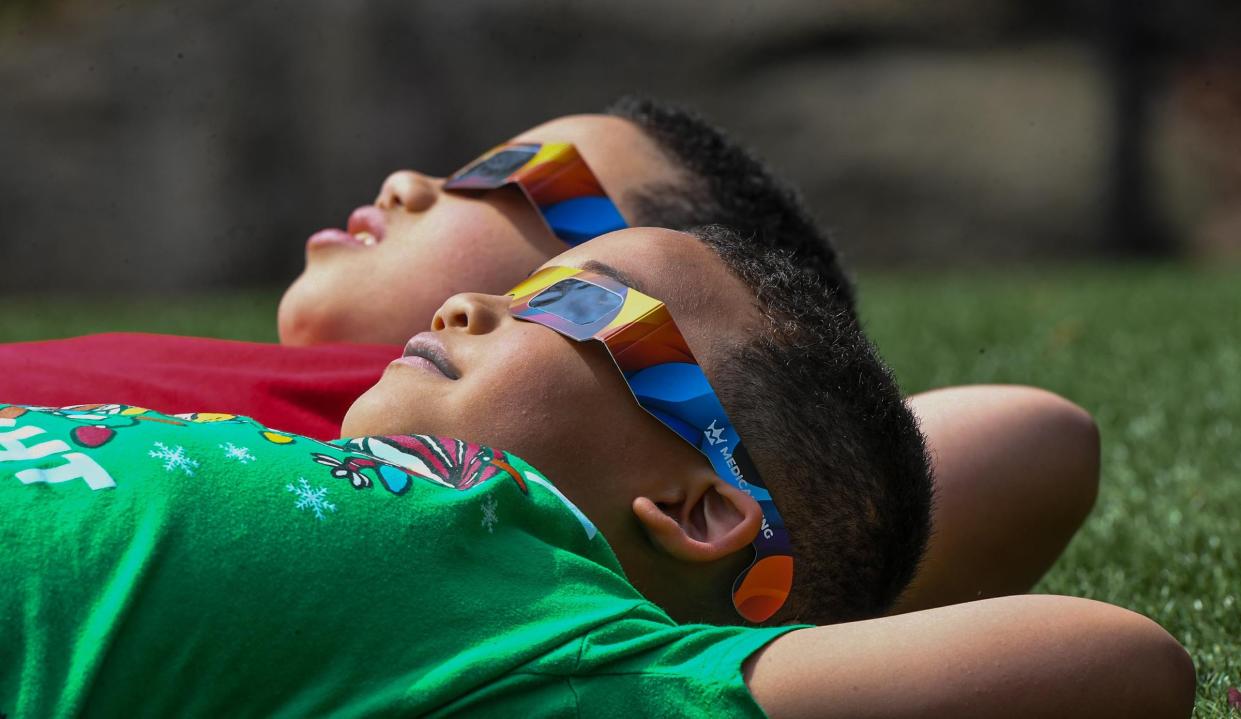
1153,353
249,315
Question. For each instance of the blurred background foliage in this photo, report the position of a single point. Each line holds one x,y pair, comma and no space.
195,145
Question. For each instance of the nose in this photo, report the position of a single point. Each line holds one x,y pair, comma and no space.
413,191
472,312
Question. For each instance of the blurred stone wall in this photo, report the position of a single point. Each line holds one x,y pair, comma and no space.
197,144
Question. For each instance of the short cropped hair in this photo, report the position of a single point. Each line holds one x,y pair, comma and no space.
835,443
726,184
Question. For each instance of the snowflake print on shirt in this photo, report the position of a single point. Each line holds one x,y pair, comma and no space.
174,459
313,499
490,517
238,454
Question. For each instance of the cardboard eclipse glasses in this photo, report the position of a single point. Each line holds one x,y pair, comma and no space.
667,382
555,179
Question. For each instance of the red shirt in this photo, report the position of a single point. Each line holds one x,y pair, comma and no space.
305,390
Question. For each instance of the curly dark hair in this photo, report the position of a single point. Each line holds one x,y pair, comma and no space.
824,420
726,184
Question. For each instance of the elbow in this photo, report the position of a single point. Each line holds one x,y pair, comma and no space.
1181,677
1073,433
1164,680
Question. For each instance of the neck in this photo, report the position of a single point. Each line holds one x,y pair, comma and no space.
689,592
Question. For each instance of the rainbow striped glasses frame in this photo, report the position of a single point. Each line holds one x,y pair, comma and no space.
556,180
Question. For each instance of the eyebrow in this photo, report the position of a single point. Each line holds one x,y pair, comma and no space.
609,271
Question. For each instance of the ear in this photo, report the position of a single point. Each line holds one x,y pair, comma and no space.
700,524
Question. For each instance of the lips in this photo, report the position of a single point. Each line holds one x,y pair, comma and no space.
366,228
425,350
368,222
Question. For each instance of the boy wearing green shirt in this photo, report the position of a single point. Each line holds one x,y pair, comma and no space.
203,564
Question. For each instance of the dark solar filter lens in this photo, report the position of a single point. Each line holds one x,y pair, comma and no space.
576,301
500,165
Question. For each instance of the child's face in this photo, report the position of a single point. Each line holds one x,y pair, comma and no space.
436,244
563,405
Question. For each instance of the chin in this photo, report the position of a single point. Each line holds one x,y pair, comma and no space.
356,422
376,411
304,317
292,324
296,333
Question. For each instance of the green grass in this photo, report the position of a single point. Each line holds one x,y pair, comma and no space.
247,315
1153,352
1155,355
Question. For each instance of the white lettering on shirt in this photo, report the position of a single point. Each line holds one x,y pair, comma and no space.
11,447
76,465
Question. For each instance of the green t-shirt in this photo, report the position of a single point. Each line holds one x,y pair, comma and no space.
206,565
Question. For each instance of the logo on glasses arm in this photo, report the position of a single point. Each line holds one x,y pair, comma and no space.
715,436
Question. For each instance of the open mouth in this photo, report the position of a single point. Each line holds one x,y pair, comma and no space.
425,350
368,225
366,228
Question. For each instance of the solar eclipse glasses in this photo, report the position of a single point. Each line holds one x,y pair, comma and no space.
556,180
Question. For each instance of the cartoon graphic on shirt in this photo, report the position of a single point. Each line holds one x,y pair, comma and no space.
207,417
392,461
99,421
395,479
446,461
12,411
276,437
443,461
271,435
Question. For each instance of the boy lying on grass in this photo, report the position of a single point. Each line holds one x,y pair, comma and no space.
768,474
1016,469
